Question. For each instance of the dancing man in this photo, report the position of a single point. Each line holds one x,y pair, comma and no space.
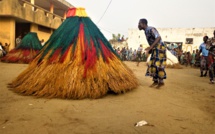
157,49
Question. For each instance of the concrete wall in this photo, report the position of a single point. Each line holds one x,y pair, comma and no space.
136,37
41,35
12,11
25,11
7,31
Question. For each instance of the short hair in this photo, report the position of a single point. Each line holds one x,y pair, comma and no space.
144,21
206,37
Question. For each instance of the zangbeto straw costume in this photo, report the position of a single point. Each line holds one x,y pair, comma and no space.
76,62
26,51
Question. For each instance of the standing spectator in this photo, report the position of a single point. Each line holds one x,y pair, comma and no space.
123,53
126,53
213,39
204,57
144,57
193,57
130,52
122,39
179,46
182,58
197,58
18,40
139,52
171,47
134,54
211,60
180,52
118,51
185,59
189,58
213,43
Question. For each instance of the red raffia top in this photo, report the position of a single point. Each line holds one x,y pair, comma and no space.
80,12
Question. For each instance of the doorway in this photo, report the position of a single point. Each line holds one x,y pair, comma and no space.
22,29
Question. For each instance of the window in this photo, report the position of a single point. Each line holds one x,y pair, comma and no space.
189,40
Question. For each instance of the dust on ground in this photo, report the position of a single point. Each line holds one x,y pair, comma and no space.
185,105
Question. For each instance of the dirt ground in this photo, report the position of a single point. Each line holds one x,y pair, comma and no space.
185,105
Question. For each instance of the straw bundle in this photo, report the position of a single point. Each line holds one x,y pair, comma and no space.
26,51
76,62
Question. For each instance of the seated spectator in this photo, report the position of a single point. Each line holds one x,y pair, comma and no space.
2,50
6,45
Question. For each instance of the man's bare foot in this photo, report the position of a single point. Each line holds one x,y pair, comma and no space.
160,84
154,83
211,81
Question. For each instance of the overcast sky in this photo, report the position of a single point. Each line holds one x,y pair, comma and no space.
124,14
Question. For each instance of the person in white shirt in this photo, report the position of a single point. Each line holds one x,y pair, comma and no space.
2,51
18,40
1,47
42,42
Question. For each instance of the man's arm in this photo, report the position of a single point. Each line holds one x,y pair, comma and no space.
200,50
157,39
155,42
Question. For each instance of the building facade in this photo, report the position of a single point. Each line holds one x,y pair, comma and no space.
191,38
18,17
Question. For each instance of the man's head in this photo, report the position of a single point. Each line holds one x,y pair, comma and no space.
205,39
143,23
214,33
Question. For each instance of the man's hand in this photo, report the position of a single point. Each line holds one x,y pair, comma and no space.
147,50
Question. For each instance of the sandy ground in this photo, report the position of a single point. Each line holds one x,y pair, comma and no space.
185,105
